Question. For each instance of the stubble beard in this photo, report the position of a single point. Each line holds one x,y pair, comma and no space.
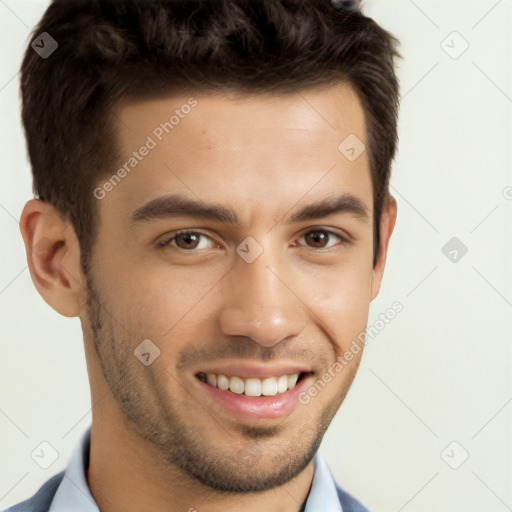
154,419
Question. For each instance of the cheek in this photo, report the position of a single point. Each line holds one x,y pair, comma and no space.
160,300
342,304
157,303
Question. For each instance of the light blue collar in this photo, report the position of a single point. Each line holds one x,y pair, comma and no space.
73,492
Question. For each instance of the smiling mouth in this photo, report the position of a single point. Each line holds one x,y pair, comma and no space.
253,386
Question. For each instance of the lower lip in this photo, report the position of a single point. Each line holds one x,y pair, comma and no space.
256,407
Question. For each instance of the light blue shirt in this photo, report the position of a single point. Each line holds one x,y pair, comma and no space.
74,494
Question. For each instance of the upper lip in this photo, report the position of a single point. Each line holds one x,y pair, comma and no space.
256,370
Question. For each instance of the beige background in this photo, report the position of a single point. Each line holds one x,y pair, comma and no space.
438,373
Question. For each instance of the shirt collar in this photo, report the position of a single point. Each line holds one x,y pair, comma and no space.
74,494
323,494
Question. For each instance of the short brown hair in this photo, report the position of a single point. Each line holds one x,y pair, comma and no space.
109,50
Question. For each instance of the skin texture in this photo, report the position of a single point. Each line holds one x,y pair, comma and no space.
154,427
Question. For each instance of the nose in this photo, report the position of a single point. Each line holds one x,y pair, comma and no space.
260,302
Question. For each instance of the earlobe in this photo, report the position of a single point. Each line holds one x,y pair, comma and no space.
387,225
53,257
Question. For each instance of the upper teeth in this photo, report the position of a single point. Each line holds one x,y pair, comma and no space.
269,386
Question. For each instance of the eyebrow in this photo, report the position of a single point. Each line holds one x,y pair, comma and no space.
176,205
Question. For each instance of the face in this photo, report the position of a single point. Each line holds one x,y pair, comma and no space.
239,246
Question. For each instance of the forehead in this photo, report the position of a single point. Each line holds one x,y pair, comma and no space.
329,109
249,150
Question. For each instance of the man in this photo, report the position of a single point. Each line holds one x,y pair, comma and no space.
212,203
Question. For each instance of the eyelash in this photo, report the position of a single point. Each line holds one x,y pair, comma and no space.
168,241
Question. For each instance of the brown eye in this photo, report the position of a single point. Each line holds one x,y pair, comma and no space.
317,239
321,239
187,240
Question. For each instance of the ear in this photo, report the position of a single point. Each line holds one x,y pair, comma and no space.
387,224
53,256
